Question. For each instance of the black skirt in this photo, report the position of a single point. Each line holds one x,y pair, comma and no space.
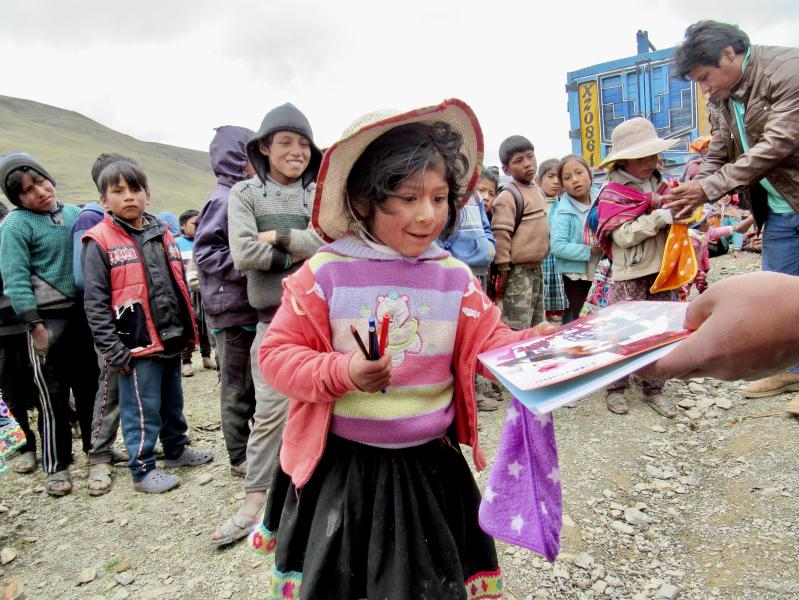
382,524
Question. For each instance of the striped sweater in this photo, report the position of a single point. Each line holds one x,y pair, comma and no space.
423,299
254,207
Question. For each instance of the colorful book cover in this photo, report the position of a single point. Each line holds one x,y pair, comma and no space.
599,347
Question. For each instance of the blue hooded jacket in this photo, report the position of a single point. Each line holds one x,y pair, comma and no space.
472,242
222,286
89,216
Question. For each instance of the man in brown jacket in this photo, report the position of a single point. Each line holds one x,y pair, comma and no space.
754,98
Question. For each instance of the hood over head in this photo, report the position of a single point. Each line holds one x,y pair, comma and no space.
229,153
285,117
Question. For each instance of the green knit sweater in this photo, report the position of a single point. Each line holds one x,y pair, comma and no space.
36,260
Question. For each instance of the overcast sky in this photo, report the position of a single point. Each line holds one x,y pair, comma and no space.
170,71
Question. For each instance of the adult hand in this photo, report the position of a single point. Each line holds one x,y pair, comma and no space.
501,284
41,339
370,375
684,198
746,327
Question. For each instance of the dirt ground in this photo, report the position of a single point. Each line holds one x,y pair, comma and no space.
701,506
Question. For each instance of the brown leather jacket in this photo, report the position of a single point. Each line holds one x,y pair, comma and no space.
769,89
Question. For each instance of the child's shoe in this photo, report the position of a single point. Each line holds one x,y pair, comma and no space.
208,363
187,370
191,458
157,482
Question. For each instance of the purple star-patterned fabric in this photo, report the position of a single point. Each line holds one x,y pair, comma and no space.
522,502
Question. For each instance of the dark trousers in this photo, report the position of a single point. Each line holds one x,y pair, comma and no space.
238,392
151,404
70,364
16,383
576,293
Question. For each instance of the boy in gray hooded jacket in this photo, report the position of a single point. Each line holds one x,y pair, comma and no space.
270,237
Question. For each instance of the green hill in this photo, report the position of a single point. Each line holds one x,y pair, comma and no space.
67,143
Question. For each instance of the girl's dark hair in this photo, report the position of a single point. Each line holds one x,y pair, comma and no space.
132,174
486,174
551,164
400,153
579,159
186,215
703,44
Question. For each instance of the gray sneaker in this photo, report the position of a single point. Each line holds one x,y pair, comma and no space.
191,458
157,482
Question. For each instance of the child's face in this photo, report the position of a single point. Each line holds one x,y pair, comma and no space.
488,192
641,168
126,204
576,180
289,154
189,228
37,194
549,184
522,166
413,218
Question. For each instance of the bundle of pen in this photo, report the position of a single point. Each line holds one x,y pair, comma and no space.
376,347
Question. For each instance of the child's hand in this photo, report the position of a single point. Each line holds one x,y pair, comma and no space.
543,328
268,237
370,375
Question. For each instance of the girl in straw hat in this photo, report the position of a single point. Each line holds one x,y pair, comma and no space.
373,498
633,227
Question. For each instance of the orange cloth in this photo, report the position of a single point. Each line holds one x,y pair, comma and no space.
679,265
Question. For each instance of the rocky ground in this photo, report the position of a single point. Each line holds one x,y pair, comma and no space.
702,506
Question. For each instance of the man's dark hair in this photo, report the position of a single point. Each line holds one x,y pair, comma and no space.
551,164
105,159
512,145
703,44
122,169
404,151
186,215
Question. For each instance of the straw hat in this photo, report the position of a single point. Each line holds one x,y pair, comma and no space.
331,216
635,138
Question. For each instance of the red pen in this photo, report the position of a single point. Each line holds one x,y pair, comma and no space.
384,334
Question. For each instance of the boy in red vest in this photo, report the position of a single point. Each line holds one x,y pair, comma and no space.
139,310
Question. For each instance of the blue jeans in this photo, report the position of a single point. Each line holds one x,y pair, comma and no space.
781,247
151,404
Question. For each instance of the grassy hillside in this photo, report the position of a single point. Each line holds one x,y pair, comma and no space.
67,144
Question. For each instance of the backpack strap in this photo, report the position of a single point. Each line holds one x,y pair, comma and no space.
519,199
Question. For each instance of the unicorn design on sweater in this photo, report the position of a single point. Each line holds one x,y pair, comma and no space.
403,330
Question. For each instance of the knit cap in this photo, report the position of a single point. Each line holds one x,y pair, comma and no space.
285,117
16,160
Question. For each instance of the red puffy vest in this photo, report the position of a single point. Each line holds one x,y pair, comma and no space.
128,281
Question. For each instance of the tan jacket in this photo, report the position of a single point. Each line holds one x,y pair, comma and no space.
638,245
530,244
769,89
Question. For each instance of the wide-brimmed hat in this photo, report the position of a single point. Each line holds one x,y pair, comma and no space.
635,138
331,216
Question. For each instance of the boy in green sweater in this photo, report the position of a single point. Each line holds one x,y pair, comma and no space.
36,246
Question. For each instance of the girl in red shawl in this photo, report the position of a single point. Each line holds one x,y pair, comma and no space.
633,227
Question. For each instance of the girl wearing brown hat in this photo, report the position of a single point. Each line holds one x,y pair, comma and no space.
632,230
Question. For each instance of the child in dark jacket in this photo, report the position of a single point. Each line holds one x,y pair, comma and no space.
138,306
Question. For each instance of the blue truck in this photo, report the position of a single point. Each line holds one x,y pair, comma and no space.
644,85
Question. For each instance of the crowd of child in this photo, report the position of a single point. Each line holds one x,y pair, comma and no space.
103,306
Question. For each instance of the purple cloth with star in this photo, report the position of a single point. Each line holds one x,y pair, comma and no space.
522,502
